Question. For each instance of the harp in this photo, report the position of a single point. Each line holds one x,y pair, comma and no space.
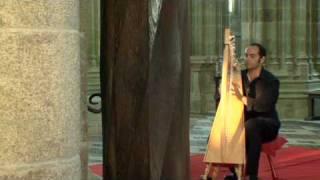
226,145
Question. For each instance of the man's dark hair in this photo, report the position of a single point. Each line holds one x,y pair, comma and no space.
262,50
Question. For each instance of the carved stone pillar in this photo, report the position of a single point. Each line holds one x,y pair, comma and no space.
301,38
286,34
283,28
246,25
314,8
208,20
40,90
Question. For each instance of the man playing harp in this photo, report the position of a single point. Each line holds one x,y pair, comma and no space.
258,92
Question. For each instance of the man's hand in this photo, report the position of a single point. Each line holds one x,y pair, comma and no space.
236,90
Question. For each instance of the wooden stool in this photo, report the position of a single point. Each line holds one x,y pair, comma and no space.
270,150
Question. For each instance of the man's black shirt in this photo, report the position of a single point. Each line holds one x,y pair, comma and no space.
262,94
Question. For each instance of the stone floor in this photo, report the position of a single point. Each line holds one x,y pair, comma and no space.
298,132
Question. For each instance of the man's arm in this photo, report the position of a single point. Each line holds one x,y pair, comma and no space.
267,93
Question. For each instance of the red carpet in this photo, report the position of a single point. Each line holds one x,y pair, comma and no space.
293,163
96,169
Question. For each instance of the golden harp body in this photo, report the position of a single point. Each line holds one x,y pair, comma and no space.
227,137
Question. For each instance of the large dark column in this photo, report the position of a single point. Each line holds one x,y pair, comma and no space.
145,89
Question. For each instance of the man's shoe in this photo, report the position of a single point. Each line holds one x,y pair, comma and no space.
231,177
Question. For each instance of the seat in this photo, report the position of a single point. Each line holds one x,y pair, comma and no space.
270,149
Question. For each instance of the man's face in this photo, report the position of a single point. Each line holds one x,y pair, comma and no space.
253,59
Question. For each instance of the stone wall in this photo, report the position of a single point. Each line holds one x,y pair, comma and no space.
288,29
